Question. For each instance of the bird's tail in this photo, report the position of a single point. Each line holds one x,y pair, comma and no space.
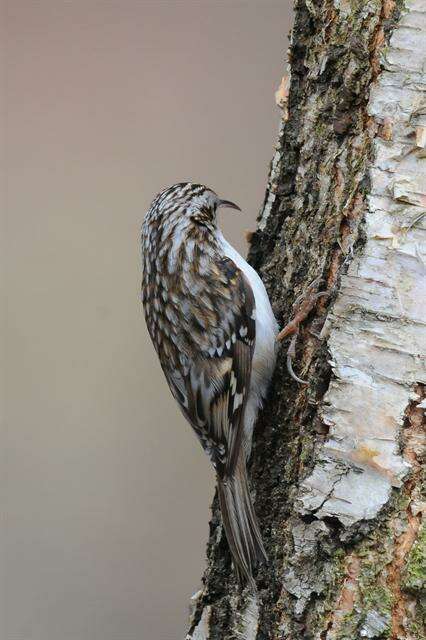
240,523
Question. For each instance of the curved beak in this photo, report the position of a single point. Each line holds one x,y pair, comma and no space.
228,204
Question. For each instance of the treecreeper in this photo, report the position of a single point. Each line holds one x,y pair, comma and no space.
214,331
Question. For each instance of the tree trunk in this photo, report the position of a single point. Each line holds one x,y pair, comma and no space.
336,469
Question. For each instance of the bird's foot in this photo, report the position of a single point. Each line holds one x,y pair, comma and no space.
301,309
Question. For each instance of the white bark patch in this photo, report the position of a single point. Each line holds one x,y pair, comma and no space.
272,182
202,630
247,621
378,324
375,624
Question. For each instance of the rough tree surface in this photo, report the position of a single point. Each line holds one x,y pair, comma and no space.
337,465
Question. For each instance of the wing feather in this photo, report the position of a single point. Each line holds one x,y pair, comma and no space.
214,392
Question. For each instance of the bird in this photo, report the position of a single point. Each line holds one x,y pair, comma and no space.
212,325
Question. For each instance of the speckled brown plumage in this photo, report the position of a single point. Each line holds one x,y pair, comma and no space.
201,315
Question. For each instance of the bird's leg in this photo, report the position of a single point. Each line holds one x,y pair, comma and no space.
301,308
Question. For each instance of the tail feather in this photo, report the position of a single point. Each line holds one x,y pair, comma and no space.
240,523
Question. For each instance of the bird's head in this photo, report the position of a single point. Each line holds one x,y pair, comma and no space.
191,202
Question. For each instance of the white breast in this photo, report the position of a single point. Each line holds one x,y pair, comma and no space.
266,330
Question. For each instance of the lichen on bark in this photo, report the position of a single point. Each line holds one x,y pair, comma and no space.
337,466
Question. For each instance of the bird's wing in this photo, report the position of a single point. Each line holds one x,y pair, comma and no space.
213,392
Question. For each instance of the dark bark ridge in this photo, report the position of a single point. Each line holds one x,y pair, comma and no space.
323,580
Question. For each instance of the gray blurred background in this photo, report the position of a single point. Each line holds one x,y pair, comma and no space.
107,491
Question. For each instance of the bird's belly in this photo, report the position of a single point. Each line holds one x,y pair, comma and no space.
264,355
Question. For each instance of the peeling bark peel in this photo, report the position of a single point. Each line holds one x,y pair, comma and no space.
377,339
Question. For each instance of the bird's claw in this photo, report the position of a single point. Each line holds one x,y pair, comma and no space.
302,307
291,353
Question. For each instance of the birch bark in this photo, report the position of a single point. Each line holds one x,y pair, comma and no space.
337,467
